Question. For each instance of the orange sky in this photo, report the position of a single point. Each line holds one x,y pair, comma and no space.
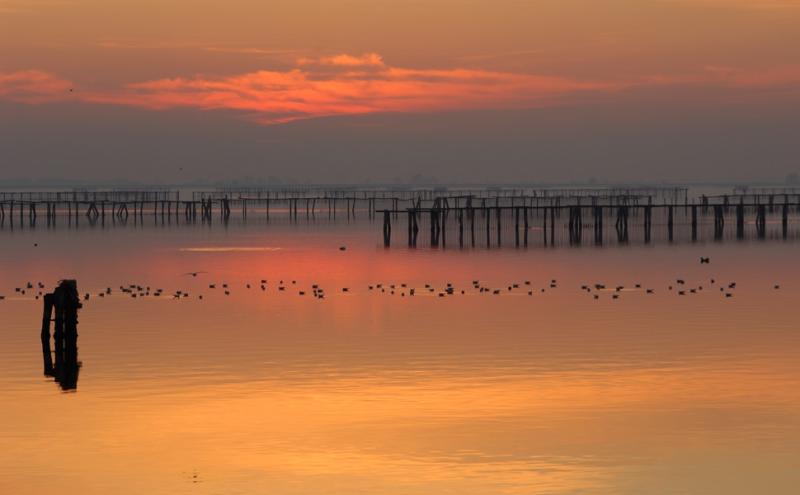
266,64
279,61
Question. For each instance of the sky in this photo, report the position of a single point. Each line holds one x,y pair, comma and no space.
375,91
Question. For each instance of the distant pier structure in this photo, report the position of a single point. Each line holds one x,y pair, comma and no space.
596,218
28,207
438,217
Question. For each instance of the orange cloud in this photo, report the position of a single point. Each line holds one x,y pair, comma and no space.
33,86
356,85
348,85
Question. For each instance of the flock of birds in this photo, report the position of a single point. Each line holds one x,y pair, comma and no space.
596,290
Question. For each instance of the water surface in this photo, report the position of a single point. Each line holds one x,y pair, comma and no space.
369,391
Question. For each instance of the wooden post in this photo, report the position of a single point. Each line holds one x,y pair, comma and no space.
410,227
525,237
471,211
719,221
499,229
45,335
488,228
785,220
387,229
669,222
740,220
443,225
761,222
544,226
460,228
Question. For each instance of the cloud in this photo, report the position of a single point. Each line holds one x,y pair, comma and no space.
33,86
366,84
344,60
349,85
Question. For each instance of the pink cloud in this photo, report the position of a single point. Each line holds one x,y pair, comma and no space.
358,85
33,86
348,85
345,60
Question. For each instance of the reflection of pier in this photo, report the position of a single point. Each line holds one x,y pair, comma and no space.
61,307
593,220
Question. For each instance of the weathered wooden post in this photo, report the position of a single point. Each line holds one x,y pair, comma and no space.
387,228
670,222
785,220
65,301
499,229
45,335
416,224
740,220
471,211
719,222
443,225
525,237
460,227
410,227
761,221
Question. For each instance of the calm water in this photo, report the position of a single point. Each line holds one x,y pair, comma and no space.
367,392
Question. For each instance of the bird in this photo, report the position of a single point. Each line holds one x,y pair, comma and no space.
193,274
342,248
705,260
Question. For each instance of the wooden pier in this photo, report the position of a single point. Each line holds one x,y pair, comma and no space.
617,220
466,217
74,207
